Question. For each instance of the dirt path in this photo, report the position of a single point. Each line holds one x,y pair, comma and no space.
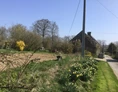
15,60
44,56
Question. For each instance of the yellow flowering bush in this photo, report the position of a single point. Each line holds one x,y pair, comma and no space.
21,45
75,72
79,73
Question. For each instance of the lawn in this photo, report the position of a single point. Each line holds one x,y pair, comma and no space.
105,80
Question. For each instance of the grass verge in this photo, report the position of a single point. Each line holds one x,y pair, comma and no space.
105,80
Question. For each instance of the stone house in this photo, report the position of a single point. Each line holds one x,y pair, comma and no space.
91,43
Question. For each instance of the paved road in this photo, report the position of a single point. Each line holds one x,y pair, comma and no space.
113,63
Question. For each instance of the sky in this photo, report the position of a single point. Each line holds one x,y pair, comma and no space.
101,21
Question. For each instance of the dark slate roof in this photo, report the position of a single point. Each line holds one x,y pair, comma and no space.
88,38
78,36
93,39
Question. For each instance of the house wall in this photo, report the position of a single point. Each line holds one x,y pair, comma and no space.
89,46
90,43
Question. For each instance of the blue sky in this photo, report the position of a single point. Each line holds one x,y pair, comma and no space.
102,23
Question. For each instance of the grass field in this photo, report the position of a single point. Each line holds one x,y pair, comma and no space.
105,80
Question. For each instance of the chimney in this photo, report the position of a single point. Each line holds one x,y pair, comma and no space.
89,33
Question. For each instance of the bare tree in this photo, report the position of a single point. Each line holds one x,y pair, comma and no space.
42,27
54,32
3,35
116,43
102,43
3,31
112,48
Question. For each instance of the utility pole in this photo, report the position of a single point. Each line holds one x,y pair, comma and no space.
83,29
112,50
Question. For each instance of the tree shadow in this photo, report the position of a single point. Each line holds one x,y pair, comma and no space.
111,60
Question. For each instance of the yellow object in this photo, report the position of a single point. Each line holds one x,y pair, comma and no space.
74,72
77,75
20,45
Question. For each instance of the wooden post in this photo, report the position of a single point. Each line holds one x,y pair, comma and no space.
83,29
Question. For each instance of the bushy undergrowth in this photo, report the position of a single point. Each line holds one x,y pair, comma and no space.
67,75
78,76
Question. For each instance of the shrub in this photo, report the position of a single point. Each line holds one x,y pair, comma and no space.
32,41
76,46
20,45
88,54
78,75
116,56
67,47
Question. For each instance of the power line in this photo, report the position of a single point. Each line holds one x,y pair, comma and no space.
103,33
75,15
107,9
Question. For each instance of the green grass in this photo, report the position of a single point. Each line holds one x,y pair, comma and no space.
41,74
46,75
16,51
105,80
8,51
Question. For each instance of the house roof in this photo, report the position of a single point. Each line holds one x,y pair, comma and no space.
88,38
